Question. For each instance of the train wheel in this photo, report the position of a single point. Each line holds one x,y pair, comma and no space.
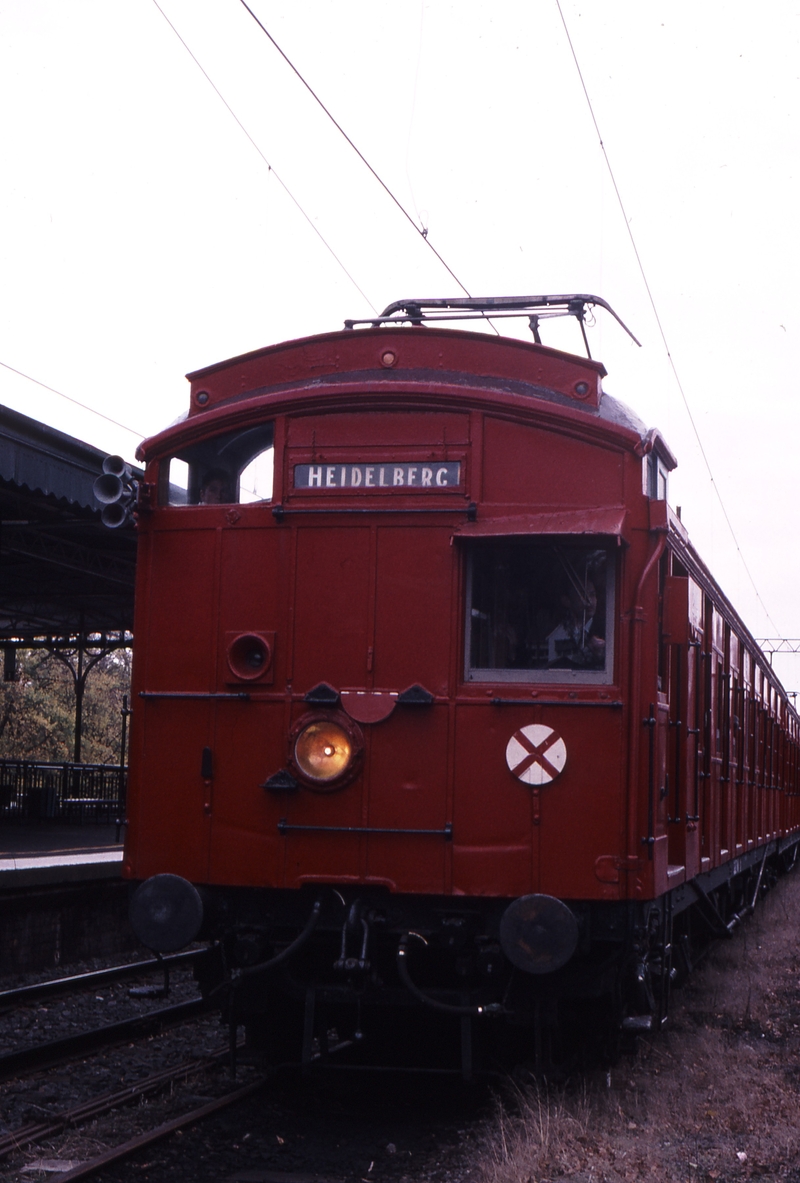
648,981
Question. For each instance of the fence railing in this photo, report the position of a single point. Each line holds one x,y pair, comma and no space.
72,793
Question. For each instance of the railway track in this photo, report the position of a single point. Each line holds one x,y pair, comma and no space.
78,1114
83,1098
68,1047
41,991
69,1068
288,1124
297,1131
125,1150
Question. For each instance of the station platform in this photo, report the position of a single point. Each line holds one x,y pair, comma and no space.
47,853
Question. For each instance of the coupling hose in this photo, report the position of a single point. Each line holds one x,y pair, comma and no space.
491,1008
279,958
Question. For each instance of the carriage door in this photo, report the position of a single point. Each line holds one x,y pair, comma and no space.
681,616
372,620
408,753
331,652
658,775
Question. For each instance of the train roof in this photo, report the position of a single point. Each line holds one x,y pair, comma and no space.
390,357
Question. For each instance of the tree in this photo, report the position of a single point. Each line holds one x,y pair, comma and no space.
37,711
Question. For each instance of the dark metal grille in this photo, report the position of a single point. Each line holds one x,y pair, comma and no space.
71,793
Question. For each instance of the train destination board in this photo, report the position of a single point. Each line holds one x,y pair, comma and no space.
444,474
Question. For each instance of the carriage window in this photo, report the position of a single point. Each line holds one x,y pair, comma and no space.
539,611
656,476
236,467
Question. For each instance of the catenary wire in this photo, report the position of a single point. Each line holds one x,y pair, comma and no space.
421,231
137,434
282,183
662,333
83,406
411,120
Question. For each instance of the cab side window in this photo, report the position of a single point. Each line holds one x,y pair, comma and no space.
539,611
233,468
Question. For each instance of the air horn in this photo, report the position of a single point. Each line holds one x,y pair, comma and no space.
116,492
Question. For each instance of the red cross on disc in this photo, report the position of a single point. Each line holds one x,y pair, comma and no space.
536,754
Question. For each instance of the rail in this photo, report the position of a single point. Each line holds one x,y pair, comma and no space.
33,790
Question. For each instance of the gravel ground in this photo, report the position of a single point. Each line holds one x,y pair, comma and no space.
111,1002
40,1095
342,1128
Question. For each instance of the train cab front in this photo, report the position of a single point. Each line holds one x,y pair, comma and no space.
378,751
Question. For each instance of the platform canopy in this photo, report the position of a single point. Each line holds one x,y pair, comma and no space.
62,573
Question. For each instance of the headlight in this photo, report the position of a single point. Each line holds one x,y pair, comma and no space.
324,751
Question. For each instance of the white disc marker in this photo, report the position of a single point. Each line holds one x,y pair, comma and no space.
536,754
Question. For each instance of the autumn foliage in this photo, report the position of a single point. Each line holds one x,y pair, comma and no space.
37,710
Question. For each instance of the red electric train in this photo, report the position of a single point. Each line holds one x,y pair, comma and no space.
440,723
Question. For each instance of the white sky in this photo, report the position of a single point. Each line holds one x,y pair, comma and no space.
143,236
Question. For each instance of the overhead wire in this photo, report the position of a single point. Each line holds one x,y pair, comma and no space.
138,434
422,231
280,181
141,435
411,116
654,308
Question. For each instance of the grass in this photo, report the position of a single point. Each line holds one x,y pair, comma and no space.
714,1097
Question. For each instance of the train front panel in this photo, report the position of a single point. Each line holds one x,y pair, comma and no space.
440,578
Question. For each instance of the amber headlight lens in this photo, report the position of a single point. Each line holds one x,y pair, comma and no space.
323,751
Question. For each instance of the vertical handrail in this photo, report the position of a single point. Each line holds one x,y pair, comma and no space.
678,725
651,781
